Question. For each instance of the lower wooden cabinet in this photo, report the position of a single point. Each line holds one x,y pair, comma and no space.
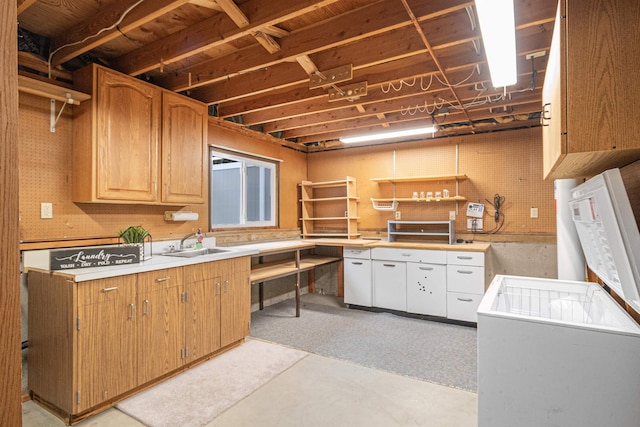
93,341
160,323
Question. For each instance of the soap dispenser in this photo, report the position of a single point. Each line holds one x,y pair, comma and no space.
199,239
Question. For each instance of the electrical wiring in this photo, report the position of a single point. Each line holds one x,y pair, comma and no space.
498,215
111,27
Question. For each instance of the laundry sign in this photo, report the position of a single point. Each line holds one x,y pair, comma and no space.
101,256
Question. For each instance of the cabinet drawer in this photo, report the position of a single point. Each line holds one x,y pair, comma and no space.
465,278
159,279
410,255
98,291
465,258
461,306
354,252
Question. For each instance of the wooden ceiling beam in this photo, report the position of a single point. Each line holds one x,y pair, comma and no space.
209,4
24,5
141,14
215,31
514,107
299,125
346,28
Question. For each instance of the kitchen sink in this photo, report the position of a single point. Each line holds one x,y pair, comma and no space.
192,252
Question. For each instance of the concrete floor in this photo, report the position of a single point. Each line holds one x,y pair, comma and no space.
320,391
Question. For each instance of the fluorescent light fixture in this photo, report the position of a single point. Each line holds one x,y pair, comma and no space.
497,24
388,135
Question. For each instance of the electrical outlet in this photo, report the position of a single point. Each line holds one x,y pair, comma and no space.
474,224
398,215
534,212
452,215
46,210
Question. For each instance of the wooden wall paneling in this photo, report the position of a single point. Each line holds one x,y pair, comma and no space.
10,357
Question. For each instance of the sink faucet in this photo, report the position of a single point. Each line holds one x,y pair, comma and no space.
185,238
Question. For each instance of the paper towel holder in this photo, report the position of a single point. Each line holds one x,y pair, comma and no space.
181,216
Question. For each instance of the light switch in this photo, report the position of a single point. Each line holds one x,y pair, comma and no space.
46,210
534,212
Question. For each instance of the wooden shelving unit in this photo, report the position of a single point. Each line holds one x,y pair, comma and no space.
391,203
329,208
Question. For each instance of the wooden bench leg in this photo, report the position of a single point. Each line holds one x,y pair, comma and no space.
261,295
298,299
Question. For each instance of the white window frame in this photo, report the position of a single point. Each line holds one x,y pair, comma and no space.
245,160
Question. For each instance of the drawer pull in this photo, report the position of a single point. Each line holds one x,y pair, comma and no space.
464,257
388,265
218,288
426,268
464,271
356,263
146,307
162,279
406,254
465,299
131,311
110,289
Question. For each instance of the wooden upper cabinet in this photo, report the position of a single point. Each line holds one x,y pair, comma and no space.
127,138
137,143
590,93
184,155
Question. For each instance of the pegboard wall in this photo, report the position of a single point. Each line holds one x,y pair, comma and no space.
45,176
508,164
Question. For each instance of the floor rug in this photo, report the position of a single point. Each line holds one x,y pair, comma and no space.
433,351
197,396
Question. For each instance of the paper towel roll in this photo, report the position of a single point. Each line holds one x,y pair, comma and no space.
181,216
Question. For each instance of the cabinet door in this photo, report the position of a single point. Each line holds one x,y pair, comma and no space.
390,285
184,149
106,346
427,289
160,323
202,309
235,302
357,282
128,119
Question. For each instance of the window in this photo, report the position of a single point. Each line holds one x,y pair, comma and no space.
242,191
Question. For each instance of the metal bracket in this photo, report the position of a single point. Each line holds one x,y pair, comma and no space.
54,118
350,93
331,77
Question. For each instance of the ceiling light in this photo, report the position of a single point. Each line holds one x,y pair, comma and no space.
497,24
389,135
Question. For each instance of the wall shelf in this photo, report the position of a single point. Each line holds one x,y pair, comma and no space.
421,229
391,204
51,91
392,180
329,208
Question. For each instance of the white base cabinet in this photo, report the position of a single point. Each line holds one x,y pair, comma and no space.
427,289
422,281
465,284
390,285
357,276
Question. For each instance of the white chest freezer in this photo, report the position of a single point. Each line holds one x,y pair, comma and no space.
556,353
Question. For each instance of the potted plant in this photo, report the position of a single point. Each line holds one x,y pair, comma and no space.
135,235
